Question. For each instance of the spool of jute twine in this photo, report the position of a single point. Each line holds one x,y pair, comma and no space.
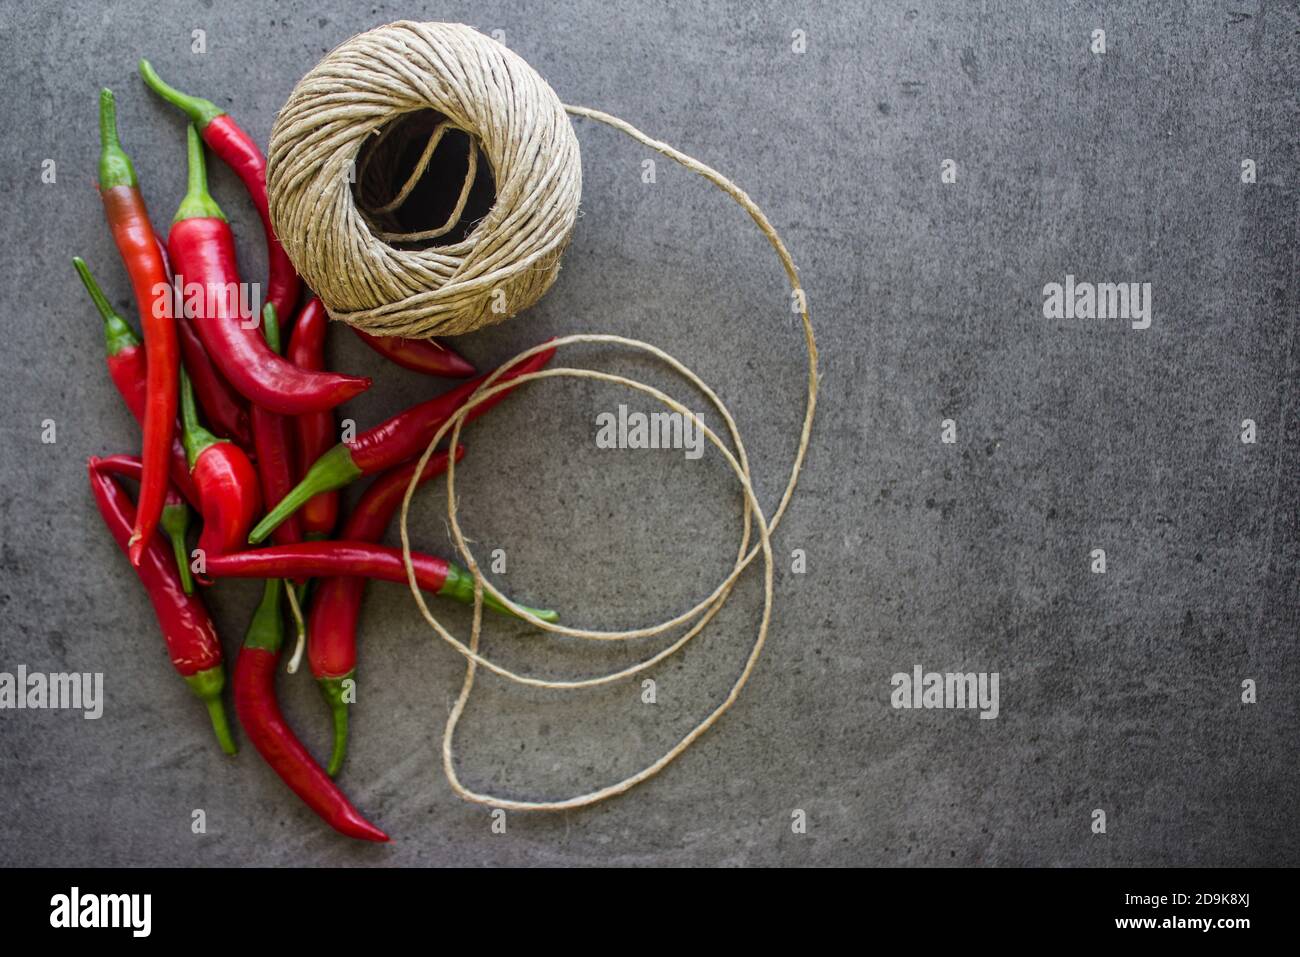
369,277
486,91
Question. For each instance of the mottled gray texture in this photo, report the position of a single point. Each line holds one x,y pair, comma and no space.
1119,691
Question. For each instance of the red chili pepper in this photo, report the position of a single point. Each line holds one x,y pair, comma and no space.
202,249
315,431
419,355
402,437
175,519
336,602
364,559
134,236
125,358
259,713
221,404
238,151
224,407
274,443
227,483
191,639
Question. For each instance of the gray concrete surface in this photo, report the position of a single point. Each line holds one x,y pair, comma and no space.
1119,691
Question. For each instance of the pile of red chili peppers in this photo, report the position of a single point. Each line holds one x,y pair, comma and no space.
236,409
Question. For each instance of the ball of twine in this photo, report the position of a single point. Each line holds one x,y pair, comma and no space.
370,277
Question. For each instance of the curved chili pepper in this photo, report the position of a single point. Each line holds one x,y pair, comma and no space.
364,559
419,355
202,249
134,237
227,483
239,151
315,431
175,519
224,407
402,437
259,713
274,444
221,404
125,358
336,602
191,639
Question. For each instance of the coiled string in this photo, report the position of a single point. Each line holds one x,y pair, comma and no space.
754,518
373,209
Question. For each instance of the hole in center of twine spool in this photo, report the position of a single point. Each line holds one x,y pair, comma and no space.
422,182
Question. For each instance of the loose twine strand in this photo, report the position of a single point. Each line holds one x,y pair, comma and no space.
706,609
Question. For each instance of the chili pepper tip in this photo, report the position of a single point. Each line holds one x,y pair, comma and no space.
135,547
428,356
457,366
366,831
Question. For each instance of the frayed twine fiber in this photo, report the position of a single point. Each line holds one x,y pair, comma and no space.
521,245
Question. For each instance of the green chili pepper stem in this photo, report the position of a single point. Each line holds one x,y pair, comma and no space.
459,586
175,522
332,689
266,630
118,335
115,167
271,327
200,111
333,470
198,202
207,685
197,439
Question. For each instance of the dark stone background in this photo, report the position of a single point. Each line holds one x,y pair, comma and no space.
1119,692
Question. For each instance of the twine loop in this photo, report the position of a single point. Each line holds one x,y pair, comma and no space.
695,619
